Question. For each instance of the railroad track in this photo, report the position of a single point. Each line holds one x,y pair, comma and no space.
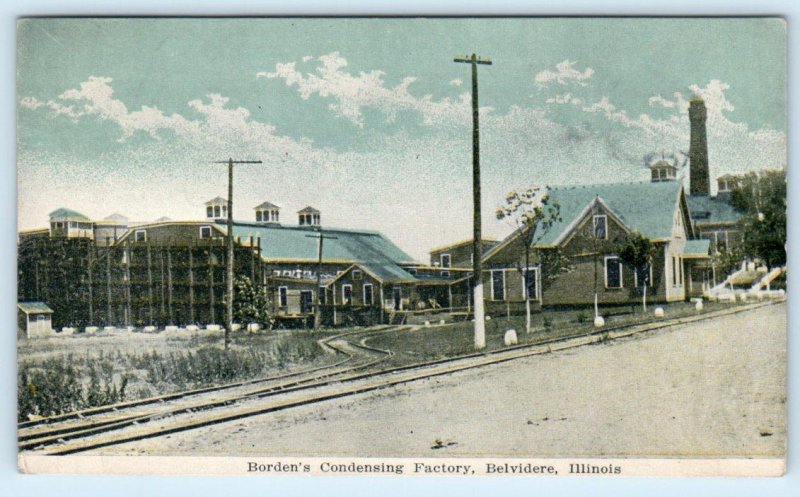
58,429
347,383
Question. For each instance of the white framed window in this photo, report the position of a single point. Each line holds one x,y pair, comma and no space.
643,273
498,281
347,294
444,260
140,235
217,211
259,215
205,231
306,301
357,274
283,296
368,299
530,283
444,274
600,226
613,271
210,211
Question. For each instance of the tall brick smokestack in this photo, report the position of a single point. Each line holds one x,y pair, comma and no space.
698,149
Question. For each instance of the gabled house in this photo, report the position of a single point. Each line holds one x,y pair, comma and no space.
594,221
458,254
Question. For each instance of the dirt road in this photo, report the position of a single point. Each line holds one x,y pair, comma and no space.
715,388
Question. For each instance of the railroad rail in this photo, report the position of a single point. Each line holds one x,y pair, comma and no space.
346,383
58,429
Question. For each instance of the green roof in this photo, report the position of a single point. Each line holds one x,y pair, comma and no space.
64,213
300,243
387,271
696,247
645,207
34,307
711,210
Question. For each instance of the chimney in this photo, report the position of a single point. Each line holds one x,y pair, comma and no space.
698,149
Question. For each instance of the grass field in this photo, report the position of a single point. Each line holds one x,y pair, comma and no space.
68,373
439,342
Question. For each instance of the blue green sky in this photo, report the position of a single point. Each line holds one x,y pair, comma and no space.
368,119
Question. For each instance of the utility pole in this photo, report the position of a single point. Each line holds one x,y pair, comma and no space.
317,311
229,303
477,283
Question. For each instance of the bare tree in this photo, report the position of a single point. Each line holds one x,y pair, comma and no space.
532,215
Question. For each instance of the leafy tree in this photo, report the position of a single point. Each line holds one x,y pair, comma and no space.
636,251
250,304
761,197
532,215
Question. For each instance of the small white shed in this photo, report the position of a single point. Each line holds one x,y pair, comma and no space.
34,320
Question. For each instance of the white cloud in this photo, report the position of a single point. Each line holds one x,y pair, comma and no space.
30,103
563,75
351,93
521,145
566,98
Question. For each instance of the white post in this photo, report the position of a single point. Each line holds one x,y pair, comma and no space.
480,324
644,298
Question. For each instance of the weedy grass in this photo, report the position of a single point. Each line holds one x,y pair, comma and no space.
58,383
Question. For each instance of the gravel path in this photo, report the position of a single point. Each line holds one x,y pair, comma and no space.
715,388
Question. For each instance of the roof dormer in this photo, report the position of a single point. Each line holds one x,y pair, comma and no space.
267,213
71,224
662,170
308,217
217,208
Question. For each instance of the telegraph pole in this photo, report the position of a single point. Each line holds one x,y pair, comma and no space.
317,311
229,301
477,283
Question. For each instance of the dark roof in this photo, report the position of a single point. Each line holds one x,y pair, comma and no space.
308,210
64,213
299,243
216,200
711,210
266,205
34,308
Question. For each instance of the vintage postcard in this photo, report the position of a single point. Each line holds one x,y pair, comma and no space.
528,247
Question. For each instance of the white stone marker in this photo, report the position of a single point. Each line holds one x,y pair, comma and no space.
659,312
599,321
510,337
